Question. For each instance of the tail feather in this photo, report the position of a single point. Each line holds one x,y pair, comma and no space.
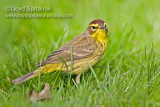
25,77
42,70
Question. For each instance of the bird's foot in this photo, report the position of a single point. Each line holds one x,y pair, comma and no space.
78,78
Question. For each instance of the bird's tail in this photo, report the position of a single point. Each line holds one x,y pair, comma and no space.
42,70
25,77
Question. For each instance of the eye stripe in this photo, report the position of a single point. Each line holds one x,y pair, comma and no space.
96,25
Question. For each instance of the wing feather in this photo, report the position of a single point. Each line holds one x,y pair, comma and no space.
82,47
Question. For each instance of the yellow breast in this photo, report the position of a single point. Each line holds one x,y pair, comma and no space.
102,38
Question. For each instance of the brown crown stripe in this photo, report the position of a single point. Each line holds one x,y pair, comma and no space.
98,21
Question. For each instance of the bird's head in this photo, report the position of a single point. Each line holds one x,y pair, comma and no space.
97,26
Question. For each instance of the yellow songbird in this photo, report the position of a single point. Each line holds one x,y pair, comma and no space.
74,57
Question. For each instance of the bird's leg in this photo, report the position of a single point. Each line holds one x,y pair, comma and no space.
78,78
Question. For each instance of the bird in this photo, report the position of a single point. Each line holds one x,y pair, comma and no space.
76,55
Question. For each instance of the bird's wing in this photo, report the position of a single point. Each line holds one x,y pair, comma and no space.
82,47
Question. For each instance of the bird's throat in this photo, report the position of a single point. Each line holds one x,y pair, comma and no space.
102,38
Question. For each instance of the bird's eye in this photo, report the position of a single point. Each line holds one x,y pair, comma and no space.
93,27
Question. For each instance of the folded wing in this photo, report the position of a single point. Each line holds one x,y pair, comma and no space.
82,47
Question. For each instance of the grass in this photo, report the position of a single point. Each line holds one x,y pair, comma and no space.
128,74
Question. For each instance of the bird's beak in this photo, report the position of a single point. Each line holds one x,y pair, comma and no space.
103,27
